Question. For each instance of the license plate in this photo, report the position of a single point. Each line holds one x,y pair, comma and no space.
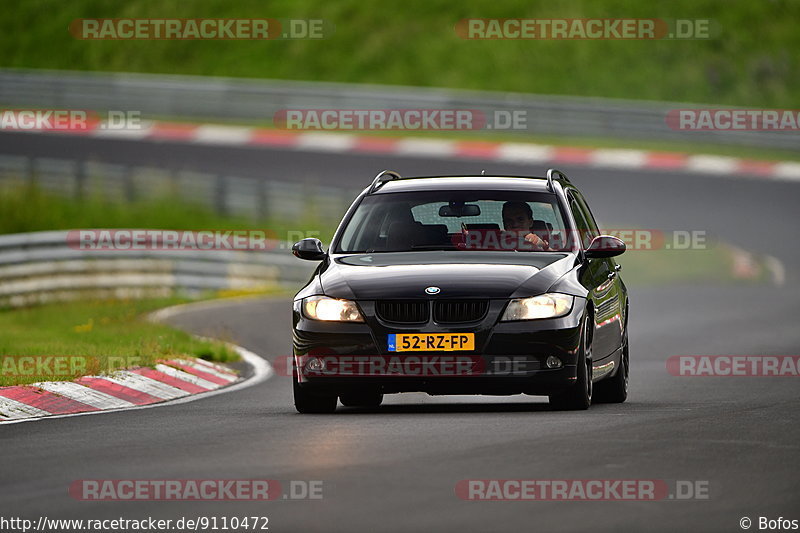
431,342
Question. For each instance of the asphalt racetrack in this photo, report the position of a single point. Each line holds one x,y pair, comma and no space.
396,468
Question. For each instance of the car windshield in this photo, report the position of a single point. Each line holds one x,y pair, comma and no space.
456,220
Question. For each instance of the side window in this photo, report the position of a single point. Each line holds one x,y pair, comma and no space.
587,215
584,230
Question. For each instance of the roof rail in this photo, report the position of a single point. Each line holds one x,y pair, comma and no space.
383,177
390,175
559,175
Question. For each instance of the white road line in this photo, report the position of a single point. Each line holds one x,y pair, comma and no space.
185,376
79,393
13,410
192,307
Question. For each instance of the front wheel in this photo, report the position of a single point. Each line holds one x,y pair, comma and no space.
578,396
312,402
615,389
361,399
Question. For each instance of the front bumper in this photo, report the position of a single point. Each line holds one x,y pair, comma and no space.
510,357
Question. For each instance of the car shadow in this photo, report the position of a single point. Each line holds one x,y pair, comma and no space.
421,408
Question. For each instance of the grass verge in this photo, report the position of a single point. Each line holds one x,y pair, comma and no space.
717,264
93,337
750,58
26,207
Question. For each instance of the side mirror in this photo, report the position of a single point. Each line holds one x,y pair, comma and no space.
605,246
310,249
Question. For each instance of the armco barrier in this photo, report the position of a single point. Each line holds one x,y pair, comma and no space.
251,198
248,100
40,267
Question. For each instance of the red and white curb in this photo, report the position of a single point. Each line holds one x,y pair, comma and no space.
170,382
509,152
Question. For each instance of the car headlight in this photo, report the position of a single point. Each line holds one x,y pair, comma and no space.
331,309
549,305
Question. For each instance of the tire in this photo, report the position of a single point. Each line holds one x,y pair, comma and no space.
312,402
578,396
361,399
615,389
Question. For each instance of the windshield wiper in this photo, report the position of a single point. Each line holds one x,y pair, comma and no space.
433,247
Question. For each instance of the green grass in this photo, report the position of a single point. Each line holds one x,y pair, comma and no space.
26,208
97,335
754,61
664,267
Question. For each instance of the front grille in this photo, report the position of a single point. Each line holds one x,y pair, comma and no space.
455,311
406,312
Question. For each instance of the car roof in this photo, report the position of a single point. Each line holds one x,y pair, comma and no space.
461,182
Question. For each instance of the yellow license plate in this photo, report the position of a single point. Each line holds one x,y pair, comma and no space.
431,342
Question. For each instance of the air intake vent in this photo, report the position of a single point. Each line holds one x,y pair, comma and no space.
405,312
456,311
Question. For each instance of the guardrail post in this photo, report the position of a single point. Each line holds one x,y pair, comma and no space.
220,195
127,184
31,170
80,179
262,210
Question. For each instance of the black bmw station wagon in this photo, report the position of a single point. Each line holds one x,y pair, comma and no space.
462,285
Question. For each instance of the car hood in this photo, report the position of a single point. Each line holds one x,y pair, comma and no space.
459,274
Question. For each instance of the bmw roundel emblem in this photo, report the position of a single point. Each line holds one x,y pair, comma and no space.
432,290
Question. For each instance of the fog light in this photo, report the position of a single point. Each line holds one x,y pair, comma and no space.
553,362
315,365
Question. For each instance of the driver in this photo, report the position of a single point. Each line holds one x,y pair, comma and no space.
518,219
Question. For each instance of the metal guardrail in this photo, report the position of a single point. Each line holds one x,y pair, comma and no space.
251,198
246,100
42,266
